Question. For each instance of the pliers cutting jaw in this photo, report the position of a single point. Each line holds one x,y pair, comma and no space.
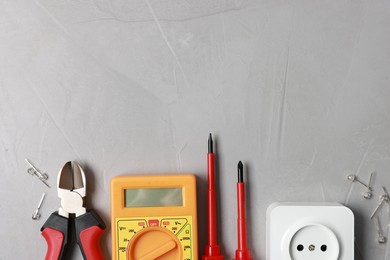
71,189
72,222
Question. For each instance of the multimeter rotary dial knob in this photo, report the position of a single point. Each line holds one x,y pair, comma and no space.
154,243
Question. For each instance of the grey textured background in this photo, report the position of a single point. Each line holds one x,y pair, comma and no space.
298,90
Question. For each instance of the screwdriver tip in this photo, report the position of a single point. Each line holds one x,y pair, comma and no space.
240,170
210,150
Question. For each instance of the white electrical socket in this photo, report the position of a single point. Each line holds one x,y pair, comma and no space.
310,231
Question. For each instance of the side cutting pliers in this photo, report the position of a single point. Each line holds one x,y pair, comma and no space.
72,222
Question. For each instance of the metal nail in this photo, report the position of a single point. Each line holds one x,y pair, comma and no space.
377,208
370,180
381,238
353,178
386,196
368,194
383,198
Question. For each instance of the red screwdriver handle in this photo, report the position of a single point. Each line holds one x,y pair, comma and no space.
90,242
54,240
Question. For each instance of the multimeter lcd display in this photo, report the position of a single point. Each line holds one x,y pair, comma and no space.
153,197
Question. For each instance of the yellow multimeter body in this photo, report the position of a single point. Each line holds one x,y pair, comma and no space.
154,217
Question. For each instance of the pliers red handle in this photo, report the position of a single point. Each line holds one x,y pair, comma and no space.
72,222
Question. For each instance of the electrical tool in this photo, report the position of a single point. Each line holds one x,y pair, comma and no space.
72,222
212,251
154,217
242,252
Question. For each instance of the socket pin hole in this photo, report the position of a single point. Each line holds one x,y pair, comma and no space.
300,247
323,248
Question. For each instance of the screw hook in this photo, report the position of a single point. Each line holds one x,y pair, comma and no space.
36,215
34,171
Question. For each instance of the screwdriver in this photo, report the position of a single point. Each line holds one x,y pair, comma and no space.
242,252
211,251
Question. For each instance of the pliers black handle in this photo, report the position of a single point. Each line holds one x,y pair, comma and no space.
59,233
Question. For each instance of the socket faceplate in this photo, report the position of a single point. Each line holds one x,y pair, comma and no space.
313,241
307,231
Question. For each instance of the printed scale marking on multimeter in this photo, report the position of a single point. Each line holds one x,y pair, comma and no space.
154,217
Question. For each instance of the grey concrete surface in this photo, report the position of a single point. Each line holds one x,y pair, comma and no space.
297,90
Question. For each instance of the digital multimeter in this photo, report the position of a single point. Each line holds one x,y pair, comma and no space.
154,217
